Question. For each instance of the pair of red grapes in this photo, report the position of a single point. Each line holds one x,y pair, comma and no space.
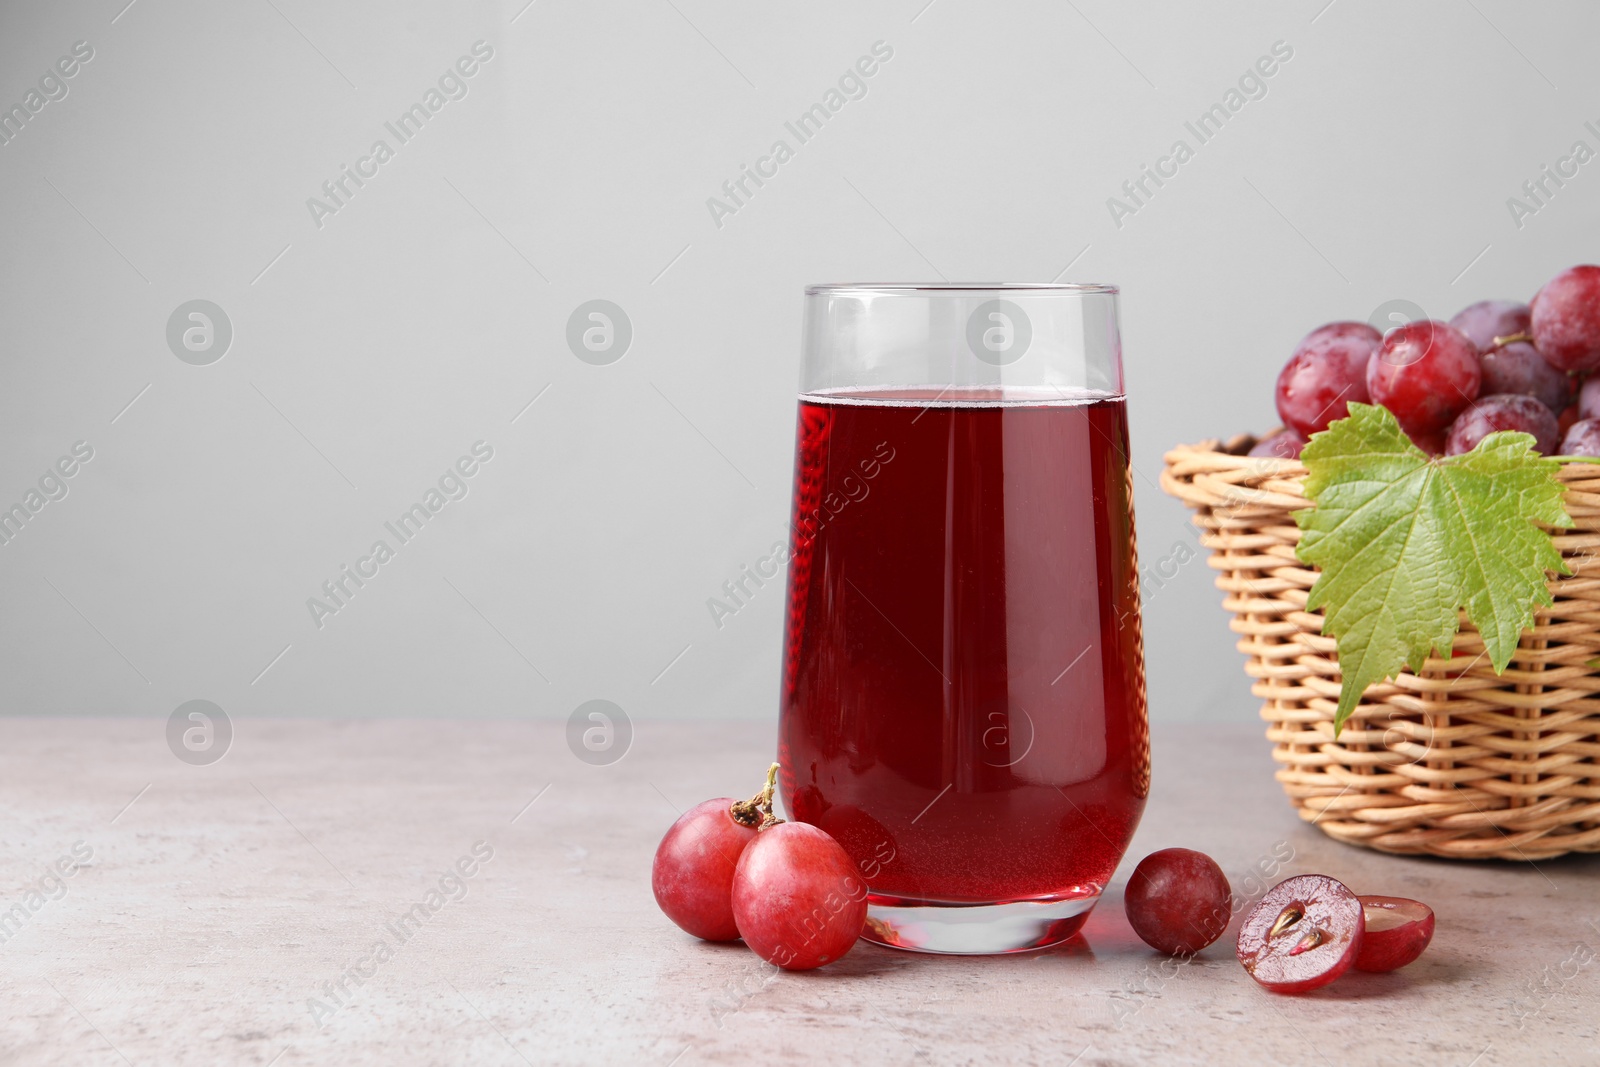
1497,365
1305,932
728,869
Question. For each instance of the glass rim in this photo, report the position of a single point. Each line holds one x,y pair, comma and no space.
835,288
960,396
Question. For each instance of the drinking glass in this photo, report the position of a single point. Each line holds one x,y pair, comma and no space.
963,700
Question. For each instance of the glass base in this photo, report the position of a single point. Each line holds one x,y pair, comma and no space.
975,929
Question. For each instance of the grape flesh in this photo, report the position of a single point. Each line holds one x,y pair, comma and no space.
1285,444
798,900
1583,439
1425,373
1507,411
1487,319
1566,319
1327,371
1303,934
1518,368
694,869
1396,930
1178,901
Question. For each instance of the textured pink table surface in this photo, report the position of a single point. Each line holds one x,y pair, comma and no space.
224,900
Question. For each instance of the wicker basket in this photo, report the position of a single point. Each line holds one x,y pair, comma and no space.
1455,761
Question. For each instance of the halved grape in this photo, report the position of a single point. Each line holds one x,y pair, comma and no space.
1303,934
1395,931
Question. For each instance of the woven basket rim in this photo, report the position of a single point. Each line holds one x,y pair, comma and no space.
1239,445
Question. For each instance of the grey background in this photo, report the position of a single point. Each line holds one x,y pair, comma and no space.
369,354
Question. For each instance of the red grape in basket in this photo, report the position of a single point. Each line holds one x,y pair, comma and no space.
1487,319
797,898
1396,930
1507,411
1425,373
1431,443
1303,934
1178,901
1326,372
693,871
1589,399
1566,319
1518,368
1568,417
1285,444
1583,439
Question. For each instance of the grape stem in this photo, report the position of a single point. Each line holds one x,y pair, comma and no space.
1514,338
757,811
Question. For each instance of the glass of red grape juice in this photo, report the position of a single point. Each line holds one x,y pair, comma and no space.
963,699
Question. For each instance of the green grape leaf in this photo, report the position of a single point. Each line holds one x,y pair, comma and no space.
1404,542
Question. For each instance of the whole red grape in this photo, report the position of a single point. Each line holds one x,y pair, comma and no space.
1425,373
1589,399
694,868
1487,319
1506,411
1178,901
1566,319
1395,931
1327,370
1285,444
1583,439
1303,934
1567,418
1431,443
1518,368
798,900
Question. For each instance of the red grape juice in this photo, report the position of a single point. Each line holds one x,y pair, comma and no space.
963,701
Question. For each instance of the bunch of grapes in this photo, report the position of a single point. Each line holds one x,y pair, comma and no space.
731,870
1497,365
